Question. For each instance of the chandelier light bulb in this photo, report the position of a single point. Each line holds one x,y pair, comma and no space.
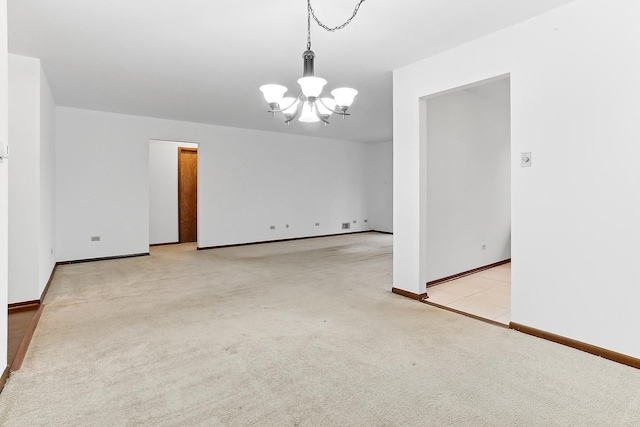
311,86
309,114
344,97
273,93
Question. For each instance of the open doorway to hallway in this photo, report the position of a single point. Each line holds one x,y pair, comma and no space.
485,294
173,192
468,173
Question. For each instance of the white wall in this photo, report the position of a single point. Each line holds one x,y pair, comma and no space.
163,191
253,180
4,184
574,105
468,179
24,178
247,181
31,179
47,183
381,186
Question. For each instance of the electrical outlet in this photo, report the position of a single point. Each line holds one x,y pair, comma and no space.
483,247
95,238
317,224
273,227
354,221
346,226
4,150
287,225
366,220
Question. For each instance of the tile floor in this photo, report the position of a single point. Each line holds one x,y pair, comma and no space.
485,294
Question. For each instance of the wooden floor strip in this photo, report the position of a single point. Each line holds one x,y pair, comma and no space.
467,273
3,378
24,306
588,348
16,364
464,313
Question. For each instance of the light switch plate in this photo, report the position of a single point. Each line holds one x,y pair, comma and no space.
525,160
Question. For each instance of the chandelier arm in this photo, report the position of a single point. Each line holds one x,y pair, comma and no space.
280,110
339,27
298,109
333,110
320,116
323,117
325,105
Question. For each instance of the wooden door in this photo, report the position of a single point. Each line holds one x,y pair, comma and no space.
188,194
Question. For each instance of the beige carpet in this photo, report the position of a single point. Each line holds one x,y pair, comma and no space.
303,333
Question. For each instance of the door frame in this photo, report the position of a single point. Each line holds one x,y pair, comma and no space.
424,141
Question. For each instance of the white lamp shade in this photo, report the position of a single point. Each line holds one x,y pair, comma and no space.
309,113
327,106
311,86
273,93
289,106
344,96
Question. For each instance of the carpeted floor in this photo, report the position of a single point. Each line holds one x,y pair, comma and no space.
302,333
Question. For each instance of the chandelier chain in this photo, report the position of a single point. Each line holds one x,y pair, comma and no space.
311,12
308,24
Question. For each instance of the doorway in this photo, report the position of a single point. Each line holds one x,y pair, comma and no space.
187,194
173,192
468,199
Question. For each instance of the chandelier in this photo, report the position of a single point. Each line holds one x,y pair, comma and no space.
310,106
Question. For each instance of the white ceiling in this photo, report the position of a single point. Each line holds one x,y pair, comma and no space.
203,60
